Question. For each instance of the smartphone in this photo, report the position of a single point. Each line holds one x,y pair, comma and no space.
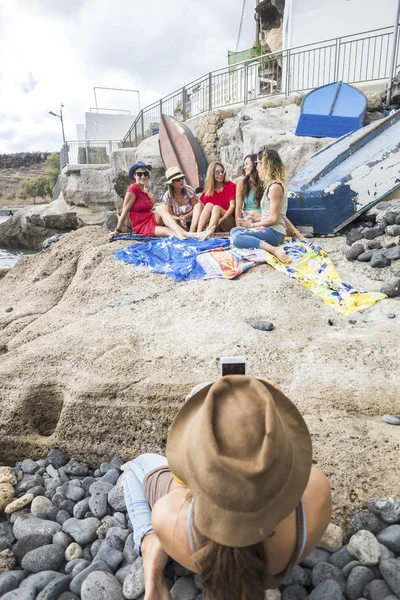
233,365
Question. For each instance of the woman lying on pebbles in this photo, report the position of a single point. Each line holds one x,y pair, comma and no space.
138,205
181,201
265,228
236,500
218,199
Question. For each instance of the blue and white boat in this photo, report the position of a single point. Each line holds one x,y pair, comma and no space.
346,178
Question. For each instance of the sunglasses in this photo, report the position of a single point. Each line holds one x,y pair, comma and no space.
219,172
142,174
178,179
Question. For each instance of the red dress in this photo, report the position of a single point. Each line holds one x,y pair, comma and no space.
221,198
142,220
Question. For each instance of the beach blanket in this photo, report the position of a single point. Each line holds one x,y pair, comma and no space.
192,260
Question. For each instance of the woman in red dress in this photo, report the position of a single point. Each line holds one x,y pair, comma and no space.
218,199
138,204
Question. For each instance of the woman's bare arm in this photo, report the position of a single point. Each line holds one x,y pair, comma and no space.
129,201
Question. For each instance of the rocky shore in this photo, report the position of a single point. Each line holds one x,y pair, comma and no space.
65,534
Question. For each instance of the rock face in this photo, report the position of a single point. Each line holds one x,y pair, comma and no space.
97,356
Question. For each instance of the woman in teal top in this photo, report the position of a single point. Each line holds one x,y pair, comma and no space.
249,192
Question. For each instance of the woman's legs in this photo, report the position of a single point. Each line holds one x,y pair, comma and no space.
197,210
264,238
136,502
205,216
216,213
163,217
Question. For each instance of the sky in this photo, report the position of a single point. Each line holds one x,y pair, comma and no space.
56,51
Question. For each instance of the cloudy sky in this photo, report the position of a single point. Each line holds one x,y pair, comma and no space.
56,51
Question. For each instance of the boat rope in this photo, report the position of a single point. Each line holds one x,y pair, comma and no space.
240,26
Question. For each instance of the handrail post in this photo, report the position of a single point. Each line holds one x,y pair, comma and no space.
210,91
142,123
246,83
183,103
160,109
287,86
337,56
135,135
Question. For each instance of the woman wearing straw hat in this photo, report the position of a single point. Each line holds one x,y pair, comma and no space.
237,499
180,199
138,205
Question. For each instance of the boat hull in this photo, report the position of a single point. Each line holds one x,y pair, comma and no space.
346,178
179,147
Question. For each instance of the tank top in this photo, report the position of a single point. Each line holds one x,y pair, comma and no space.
266,209
157,483
249,202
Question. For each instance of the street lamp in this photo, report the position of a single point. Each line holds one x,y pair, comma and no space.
61,118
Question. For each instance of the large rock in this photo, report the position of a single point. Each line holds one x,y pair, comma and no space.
91,350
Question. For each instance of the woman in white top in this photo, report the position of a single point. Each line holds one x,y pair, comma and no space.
270,230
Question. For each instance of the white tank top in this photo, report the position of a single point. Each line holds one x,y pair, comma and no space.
266,209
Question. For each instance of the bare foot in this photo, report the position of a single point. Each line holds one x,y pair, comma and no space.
207,233
280,254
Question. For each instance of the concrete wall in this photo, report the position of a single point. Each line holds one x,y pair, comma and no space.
308,21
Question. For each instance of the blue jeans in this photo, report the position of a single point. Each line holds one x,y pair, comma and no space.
248,238
136,502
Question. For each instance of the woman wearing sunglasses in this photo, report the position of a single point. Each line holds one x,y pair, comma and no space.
218,199
180,200
138,205
249,191
272,227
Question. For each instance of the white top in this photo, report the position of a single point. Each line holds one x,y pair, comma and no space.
266,209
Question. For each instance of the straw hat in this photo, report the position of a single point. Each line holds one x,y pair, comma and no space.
173,173
244,451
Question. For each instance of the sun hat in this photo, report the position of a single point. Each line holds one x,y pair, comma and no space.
139,164
173,173
244,450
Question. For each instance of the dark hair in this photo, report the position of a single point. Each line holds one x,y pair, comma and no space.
253,181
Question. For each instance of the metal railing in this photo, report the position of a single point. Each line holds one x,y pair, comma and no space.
88,152
354,58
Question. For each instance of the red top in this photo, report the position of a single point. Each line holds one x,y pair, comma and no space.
141,216
221,198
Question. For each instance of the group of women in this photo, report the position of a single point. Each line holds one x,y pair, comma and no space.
254,210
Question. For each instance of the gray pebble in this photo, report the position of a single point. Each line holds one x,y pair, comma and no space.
393,253
40,504
364,546
327,590
379,260
95,547
354,236
373,232
391,420
73,551
391,574
119,532
116,498
377,590
56,587
68,596
349,567
111,476
134,582
78,580
9,309
101,586
20,595
122,573
81,565
74,493
390,537
62,516
82,530
340,558
38,581
121,520
390,217
324,571
184,589
98,504
365,520
87,482
391,288
68,506
62,539
29,481
317,556
264,325
365,256
30,542
75,467
296,576
294,592
10,580
100,487
386,553
387,509
355,251
46,558
357,580
81,508
111,552
28,525
57,458
29,466
391,316
129,552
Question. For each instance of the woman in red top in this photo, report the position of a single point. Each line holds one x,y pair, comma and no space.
218,199
138,204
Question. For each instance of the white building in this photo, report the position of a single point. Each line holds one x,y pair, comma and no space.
104,126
